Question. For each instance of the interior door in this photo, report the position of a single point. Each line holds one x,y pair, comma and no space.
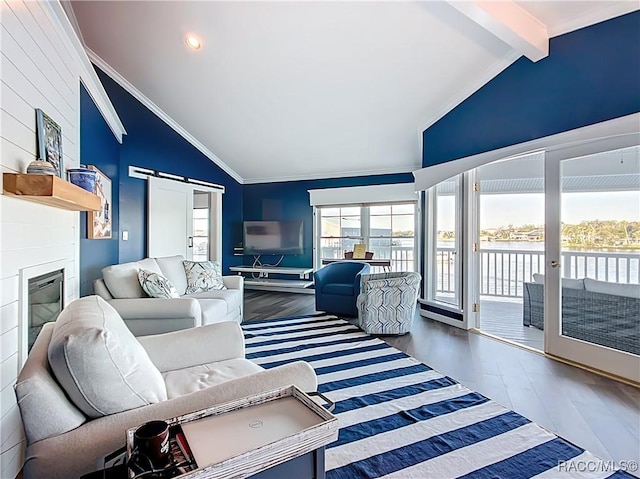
170,218
591,267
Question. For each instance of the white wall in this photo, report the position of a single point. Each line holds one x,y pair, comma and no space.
37,70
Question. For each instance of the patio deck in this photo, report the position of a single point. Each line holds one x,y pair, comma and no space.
502,317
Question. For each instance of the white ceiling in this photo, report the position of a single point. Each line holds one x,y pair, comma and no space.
300,90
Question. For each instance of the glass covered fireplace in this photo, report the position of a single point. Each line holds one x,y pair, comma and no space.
44,302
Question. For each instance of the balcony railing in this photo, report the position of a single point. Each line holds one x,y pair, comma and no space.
503,271
402,257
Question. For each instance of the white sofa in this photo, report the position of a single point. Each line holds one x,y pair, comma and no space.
143,315
87,380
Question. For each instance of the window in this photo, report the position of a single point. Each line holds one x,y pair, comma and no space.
201,227
388,231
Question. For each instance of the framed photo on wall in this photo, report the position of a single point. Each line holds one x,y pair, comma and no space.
49,139
99,222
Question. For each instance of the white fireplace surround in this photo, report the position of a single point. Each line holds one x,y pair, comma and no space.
25,274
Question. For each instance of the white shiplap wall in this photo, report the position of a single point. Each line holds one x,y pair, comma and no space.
37,70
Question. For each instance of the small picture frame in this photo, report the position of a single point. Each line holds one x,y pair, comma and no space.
99,222
49,139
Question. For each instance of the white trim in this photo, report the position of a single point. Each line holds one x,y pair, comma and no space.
200,185
363,195
591,17
155,109
625,132
24,275
509,22
471,87
336,174
440,317
87,73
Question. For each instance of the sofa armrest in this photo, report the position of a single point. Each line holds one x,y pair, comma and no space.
76,452
234,282
192,347
158,308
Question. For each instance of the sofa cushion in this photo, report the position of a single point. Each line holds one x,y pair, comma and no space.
156,285
45,410
232,297
122,279
99,363
195,378
615,289
568,283
340,289
203,276
173,269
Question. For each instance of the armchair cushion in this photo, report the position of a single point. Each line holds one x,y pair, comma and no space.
156,285
101,366
342,289
188,380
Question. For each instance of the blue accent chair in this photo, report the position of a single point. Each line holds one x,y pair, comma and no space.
337,287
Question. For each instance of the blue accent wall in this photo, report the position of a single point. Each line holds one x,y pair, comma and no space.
151,143
98,147
591,75
290,201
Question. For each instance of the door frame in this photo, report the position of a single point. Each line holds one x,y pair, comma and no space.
618,363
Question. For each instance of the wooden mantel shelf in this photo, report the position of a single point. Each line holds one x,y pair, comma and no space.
50,190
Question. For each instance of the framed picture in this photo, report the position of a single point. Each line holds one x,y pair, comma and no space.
99,222
49,141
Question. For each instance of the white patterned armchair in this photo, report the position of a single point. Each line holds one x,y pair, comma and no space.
387,302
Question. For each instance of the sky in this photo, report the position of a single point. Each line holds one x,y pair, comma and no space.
520,209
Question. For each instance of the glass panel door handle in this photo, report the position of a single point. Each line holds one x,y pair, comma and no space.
190,241
555,264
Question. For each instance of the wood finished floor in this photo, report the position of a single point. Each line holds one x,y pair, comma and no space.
593,412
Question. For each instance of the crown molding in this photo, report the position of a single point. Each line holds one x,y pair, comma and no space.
155,109
87,74
607,12
489,74
331,175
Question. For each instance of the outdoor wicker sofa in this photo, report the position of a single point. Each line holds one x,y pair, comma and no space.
605,319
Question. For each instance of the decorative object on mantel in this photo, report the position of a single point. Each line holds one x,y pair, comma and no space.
99,222
40,167
83,177
49,190
49,141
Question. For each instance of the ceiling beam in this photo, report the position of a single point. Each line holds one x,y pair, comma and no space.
510,23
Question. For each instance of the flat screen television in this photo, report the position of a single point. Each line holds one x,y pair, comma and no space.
273,237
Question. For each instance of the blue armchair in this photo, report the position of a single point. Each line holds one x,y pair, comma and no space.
337,287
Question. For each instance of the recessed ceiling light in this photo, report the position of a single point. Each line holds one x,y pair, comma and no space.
193,42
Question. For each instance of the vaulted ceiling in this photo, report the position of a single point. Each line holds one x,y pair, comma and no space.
300,90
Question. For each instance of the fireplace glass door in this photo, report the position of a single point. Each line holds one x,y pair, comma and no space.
45,302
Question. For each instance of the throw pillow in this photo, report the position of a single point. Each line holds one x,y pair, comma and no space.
99,363
203,276
156,285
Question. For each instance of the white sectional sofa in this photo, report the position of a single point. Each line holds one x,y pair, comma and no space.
120,287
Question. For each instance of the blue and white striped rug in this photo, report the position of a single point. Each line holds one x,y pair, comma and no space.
401,419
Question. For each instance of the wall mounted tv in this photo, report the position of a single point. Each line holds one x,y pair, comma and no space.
273,237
